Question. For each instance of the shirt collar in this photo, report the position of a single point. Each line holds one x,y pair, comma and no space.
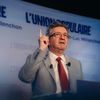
53,56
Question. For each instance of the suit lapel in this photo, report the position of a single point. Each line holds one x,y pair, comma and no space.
49,66
69,67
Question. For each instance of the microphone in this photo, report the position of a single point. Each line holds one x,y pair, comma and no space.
51,66
68,64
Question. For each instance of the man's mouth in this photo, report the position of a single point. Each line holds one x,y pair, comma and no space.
61,42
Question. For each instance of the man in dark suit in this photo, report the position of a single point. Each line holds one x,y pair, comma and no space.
41,68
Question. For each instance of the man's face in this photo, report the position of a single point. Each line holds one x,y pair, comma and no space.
59,38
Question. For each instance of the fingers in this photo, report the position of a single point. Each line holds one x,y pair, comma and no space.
43,37
41,34
43,41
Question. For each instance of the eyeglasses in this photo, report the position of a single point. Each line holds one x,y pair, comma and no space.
58,35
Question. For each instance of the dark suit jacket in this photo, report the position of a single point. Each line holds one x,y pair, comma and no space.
38,71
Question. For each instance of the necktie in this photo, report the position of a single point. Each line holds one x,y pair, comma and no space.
62,75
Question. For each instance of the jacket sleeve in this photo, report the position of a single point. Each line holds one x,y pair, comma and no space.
28,71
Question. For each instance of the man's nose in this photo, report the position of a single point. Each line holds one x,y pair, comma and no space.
62,36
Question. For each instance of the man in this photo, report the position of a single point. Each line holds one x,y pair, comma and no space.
42,67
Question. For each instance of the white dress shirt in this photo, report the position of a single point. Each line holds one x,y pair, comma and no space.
55,65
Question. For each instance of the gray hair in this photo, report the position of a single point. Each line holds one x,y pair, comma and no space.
55,24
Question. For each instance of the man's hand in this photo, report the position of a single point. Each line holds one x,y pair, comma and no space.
43,41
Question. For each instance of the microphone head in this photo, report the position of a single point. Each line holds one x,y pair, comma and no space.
68,64
51,66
